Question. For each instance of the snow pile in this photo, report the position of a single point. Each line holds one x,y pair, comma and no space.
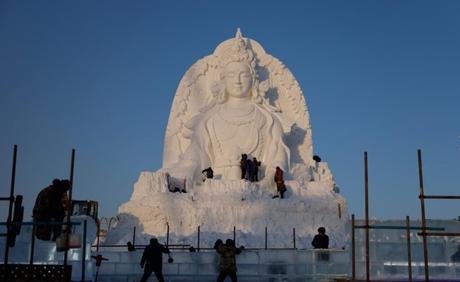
219,205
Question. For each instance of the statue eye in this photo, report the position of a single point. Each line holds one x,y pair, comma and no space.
245,75
231,74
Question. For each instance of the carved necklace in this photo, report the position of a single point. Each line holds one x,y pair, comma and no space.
220,144
241,120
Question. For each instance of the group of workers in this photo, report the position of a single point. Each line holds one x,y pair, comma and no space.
52,204
250,172
152,259
249,168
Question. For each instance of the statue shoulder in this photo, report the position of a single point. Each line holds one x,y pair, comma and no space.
199,122
270,118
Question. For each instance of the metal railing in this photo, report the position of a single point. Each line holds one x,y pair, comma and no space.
198,240
33,239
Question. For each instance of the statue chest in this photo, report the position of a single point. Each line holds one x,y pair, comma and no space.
235,136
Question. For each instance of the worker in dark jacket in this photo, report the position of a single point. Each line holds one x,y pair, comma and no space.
255,170
249,169
207,173
321,240
51,206
152,259
227,262
243,165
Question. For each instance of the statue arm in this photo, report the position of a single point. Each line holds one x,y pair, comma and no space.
280,154
194,159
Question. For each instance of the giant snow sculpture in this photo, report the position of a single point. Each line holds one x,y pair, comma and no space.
238,100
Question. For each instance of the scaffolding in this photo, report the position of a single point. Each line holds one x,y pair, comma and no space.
424,228
424,232
13,224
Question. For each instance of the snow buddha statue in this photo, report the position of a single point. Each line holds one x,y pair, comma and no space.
237,101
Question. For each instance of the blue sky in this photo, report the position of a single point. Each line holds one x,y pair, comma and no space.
100,76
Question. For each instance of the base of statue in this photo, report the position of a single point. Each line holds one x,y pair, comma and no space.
218,207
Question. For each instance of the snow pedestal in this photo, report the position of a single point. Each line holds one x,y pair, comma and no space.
217,206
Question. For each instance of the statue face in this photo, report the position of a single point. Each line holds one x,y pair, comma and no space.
238,80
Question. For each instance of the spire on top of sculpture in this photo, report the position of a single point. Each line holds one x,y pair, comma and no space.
238,34
240,51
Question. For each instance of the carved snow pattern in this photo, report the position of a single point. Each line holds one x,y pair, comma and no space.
293,106
289,88
180,105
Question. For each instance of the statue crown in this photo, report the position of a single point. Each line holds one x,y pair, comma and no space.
240,51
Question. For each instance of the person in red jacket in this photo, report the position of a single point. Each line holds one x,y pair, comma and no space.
279,180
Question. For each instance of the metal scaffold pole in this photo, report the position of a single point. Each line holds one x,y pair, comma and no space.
366,219
10,208
69,208
409,254
422,207
353,252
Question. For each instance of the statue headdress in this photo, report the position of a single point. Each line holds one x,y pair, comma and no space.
239,52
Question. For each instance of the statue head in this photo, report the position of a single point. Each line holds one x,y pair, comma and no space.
237,73
236,76
238,80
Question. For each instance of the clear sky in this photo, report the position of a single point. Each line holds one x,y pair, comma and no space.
100,76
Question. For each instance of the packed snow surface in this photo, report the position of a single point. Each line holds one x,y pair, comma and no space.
217,206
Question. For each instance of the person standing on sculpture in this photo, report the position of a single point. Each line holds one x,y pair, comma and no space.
279,180
249,169
227,260
152,260
255,170
243,165
208,173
